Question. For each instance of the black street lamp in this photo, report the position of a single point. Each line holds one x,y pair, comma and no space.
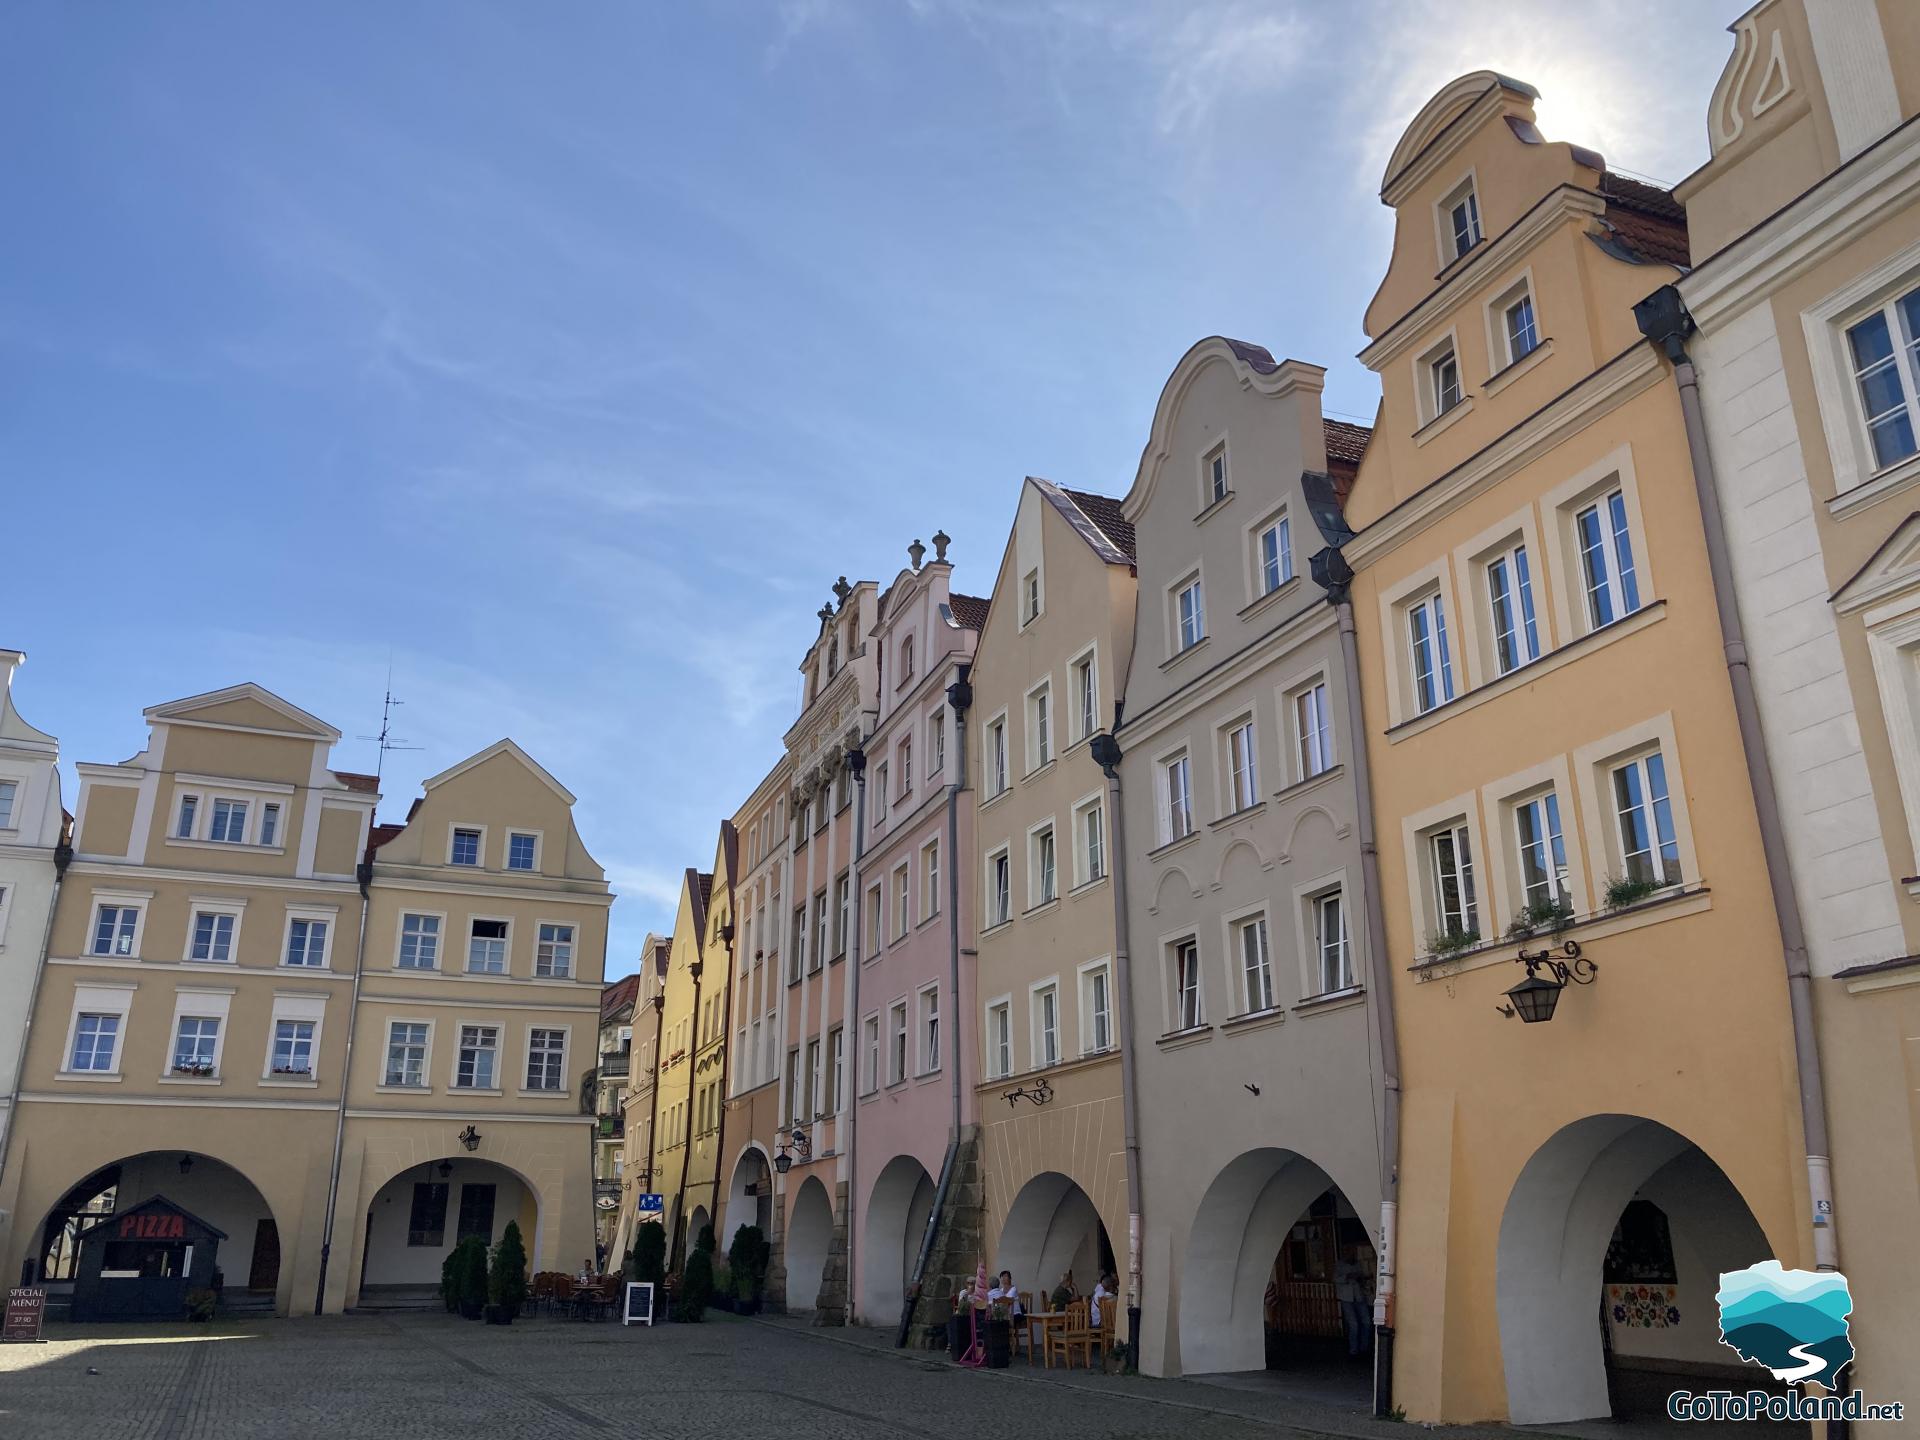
470,1138
1535,998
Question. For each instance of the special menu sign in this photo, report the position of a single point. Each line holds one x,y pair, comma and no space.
26,1309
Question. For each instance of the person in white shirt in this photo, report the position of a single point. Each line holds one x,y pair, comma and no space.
1353,1287
1104,1290
1003,1290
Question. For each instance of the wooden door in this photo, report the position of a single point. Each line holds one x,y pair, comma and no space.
265,1272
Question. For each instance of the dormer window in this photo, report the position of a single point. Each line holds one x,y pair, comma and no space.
1461,211
466,848
1214,471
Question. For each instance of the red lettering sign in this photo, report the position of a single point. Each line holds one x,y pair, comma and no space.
153,1227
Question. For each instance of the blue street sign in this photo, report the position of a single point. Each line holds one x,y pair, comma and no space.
652,1203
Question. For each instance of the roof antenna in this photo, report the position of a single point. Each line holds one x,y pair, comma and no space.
386,739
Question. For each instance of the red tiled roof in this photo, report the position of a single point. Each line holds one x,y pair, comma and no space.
1345,441
1104,512
1646,220
354,780
380,835
617,993
969,611
706,889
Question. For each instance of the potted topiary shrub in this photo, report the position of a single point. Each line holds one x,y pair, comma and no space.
647,1261
696,1281
747,1258
723,1288
507,1278
470,1277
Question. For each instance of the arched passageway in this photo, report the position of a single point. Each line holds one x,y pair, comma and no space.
1275,1243
809,1237
1051,1228
1611,1248
749,1197
418,1216
697,1222
896,1220
248,1259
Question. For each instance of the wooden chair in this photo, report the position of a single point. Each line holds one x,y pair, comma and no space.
1103,1332
560,1298
1073,1336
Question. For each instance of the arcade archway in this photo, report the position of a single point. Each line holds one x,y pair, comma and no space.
809,1238
1051,1228
417,1217
896,1219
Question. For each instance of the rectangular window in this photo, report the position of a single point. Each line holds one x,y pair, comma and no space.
1255,964
1432,662
1463,221
1216,473
479,1049
1606,560
95,1038
1330,942
870,1054
487,948
193,1044
930,878
874,937
997,757
1086,693
1045,884
307,942
113,928
553,955
427,1219
189,809
1543,855
930,1029
1097,1002
1522,338
1093,842
1276,555
1190,614
820,925
1243,785
1000,899
1648,849
1516,635
212,937
1313,730
476,1212
269,823
293,1047
936,742
419,942
1455,911
897,1043
835,1069
466,848
906,768
520,851
882,793
900,902
407,1053
1030,592
1046,1025
9,791
1039,719
1179,782
1444,373
546,1059
229,822
1186,985
814,1092
1000,1039
843,912
794,1083
1885,353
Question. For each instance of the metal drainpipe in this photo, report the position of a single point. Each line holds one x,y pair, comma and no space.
726,1069
363,874
653,1119
699,968
1663,319
1105,750
62,857
1334,575
959,699
857,767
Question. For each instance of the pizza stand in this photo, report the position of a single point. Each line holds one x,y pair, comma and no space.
141,1262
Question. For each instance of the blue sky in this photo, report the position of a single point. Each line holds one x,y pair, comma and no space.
561,356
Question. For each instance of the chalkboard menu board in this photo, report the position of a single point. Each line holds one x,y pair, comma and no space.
639,1307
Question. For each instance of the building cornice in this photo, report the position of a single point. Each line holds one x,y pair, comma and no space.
91,865
1629,373
542,894
1298,628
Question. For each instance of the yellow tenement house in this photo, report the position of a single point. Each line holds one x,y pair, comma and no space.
219,932
1560,794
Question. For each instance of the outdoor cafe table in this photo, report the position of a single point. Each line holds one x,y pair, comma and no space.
1038,1323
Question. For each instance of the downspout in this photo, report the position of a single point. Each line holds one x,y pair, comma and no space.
959,701
849,1023
1335,575
62,857
1663,319
659,1034
726,1065
1105,750
363,876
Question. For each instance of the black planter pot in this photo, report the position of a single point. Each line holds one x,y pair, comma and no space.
747,1307
470,1309
959,1336
999,1344
499,1315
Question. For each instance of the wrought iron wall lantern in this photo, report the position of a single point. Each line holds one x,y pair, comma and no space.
1039,1094
470,1138
796,1135
1535,998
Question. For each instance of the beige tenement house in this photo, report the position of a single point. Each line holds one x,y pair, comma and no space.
203,975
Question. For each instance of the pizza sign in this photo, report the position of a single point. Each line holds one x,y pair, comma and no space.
152,1227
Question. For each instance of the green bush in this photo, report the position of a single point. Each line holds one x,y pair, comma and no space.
1552,915
1624,890
696,1287
704,1241
748,1257
1452,941
647,1261
450,1280
507,1280
468,1272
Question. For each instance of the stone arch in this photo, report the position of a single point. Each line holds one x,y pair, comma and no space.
388,1256
809,1238
1167,890
696,1222
1307,813
1052,1227
1248,854
1554,1234
896,1219
751,1168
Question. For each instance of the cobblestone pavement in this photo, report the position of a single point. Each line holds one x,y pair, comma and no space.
363,1376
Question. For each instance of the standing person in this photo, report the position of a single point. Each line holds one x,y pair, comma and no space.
1353,1285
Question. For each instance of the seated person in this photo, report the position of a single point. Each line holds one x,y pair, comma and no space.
1003,1290
1063,1294
1106,1288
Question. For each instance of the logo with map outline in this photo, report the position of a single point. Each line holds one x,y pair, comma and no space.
1794,1322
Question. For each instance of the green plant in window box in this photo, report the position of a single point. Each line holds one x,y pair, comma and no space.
1625,890
1549,915
1452,941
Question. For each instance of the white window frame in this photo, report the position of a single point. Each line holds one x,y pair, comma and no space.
98,997
999,902
439,941
1175,986
1041,749
937,741
996,757
1033,597
1048,1049
461,1025
1237,747
901,888
1083,674
426,1056
1090,808
480,852
566,1052
1178,641
1316,914
926,1027
1042,835
329,915
1524,591
572,943
870,1053
117,900
1216,475
1315,750
219,907
1258,922
1842,412
930,879
1465,191
899,1043
1454,842
1094,1017
1279,524
519,832
506,946
1173,804
999,1057
1430,608
297,1007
